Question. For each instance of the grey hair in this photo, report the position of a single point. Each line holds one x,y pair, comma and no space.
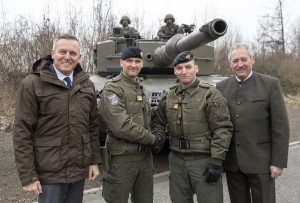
240,46
64,36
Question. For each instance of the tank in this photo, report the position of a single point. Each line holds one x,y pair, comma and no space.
157,71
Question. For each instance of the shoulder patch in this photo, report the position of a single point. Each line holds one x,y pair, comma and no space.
113,99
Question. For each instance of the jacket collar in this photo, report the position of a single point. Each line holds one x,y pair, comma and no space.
189,90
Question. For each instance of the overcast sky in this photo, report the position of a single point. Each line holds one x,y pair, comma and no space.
243,14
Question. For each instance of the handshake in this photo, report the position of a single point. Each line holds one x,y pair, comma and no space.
158,144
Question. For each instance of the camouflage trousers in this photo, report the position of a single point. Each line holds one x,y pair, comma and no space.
186,179
129,177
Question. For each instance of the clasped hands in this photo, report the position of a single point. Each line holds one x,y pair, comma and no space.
158,144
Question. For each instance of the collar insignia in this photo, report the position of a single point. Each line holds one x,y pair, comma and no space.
139,98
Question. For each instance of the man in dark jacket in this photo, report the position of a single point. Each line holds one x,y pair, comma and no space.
259,148
56,140
200,132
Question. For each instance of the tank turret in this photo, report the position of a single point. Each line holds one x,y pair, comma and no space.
159,55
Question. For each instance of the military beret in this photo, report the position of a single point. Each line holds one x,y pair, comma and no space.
183,57
132,52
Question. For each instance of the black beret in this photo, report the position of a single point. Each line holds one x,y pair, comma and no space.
132,52
183,57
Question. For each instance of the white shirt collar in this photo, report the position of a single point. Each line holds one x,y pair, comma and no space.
239,80
62,76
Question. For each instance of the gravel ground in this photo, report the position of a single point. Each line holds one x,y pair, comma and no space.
10,188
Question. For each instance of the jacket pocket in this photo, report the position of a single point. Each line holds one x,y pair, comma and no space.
47,154
260,105
111,184
51,101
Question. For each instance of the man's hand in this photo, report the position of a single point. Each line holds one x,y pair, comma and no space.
158,145
275,171
34,187
212,173
93,172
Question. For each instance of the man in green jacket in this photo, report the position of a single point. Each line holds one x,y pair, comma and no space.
200,132
56,140
125,109
128,32
259,147
170,29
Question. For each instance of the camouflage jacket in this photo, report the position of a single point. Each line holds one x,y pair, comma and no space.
130,31
169,31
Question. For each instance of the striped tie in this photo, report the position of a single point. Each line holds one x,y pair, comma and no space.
68,80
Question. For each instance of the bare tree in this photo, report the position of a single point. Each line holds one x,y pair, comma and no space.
99,29
273,30
295,42
139,25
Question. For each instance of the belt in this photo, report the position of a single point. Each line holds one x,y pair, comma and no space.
187,144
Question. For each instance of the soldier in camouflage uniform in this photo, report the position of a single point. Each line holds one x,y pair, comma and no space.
128,32
125,109
170,29
200,133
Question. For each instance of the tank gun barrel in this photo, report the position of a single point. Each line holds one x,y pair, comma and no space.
164,55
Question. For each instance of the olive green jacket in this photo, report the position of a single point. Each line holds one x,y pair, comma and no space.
201,117
261,127
125,109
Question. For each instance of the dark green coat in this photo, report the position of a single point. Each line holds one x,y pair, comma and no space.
259,116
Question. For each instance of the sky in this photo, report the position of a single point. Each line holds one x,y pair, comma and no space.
241,14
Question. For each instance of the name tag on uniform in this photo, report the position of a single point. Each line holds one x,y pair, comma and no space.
139,98
176,106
